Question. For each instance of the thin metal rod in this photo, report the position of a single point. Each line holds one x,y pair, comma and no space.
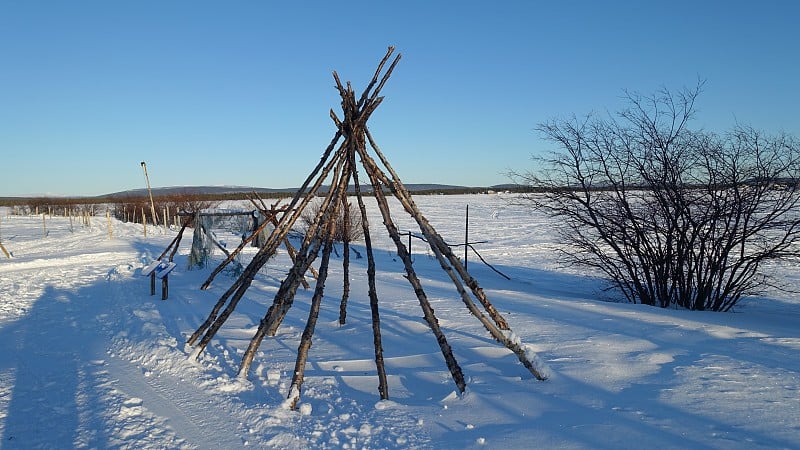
466,238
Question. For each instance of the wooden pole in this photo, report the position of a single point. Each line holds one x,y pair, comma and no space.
308,252
345,263
44,224
413,279
165,287
314,239
353,129
499,327
110,230
150,192
5,252
313,315
279,234
447,259
377,340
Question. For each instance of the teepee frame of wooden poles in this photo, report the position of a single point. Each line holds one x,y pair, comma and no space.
339,163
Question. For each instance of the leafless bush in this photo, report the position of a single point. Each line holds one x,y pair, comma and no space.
672,216
351,231
55,206
186,203
135,209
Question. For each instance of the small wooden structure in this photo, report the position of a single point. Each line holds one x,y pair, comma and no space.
338,166
160,267
268,216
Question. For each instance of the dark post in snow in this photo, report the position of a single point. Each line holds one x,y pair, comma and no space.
165,287
466,238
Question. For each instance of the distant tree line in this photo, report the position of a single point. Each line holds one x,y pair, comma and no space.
30,205
672,216
138,208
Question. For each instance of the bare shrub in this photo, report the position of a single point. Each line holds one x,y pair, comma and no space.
351,231
186,203
135,208
672,216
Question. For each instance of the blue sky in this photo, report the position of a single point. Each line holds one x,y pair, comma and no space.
238,93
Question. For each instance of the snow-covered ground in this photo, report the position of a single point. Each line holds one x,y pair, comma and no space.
88,359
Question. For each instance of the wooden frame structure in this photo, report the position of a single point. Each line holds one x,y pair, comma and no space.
160,267
338,163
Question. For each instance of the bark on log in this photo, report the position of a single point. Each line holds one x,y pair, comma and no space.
411,275
434,239
345,263
308,252
383,384
499,330
230,257
313,315
213,323
318,228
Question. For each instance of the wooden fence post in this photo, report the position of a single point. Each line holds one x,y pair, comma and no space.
165,287
3,248
110,230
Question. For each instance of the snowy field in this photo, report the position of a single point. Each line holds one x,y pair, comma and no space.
88,359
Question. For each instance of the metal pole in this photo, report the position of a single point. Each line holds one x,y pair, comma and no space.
149,191
466,238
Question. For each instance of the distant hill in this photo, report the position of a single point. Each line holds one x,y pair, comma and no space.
240,191
232,190
197,190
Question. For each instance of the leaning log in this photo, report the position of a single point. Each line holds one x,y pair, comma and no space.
313,315
411,275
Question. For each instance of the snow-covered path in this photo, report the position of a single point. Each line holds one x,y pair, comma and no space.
88,359
63,385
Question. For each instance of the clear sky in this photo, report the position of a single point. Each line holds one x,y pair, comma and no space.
238,92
